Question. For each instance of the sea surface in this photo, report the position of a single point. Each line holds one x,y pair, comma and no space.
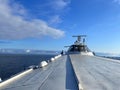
11,64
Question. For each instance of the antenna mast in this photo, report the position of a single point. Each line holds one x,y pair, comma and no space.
79,39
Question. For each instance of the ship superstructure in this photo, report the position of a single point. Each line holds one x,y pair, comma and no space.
80,47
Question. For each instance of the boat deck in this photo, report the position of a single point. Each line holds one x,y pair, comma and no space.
58,75
73,72
96,73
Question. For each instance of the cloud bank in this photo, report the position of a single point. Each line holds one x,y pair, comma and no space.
13,25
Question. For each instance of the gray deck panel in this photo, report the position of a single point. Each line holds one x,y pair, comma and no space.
97,73
63,77
32,80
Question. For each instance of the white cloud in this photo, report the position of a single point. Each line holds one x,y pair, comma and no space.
54,10
55,19
59,7
116,1
14,26
60,4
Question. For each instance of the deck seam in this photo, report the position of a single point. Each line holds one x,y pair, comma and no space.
80,87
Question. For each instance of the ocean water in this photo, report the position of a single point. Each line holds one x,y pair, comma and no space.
11,64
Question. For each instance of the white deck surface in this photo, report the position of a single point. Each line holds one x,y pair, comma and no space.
58,75
95,73
65,73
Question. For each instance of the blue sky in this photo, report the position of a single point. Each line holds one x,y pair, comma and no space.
49,24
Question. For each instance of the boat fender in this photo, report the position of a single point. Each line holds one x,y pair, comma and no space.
43,64
52,59
0,80
56,57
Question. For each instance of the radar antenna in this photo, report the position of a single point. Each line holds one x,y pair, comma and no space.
79,38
